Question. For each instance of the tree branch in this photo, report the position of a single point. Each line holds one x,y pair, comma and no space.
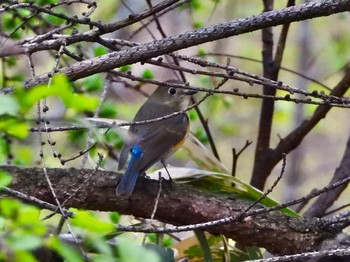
196,37
178,205
262,150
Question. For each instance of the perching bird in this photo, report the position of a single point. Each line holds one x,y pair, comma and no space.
152,142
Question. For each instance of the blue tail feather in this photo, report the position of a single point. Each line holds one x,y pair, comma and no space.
128,181
127,184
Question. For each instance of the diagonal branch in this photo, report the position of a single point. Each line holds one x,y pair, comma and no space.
170,44
294,139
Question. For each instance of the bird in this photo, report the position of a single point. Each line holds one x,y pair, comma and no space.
149,143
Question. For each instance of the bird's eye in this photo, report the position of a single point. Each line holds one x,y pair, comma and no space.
172,91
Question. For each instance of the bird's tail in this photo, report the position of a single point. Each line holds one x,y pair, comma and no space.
128,181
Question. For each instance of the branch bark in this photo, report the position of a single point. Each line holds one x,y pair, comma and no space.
178,205
173,43
271,66
267,107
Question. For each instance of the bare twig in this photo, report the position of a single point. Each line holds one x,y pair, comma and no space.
34,201
235,156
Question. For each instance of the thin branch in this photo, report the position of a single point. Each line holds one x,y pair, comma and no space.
337,253
243,214
210,33
235,156
34,201
281,67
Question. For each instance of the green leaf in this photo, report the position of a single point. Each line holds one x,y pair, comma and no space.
202,52
103,258
24,242
253,252
114,138
25,256
9,208
114,217
204,245
131,252
218,178
17,77
11,61
8,105
54,19
165,254
98,51
24,12
108,110
66,251
24,156
88,220
93,83
28,215
5,179
77,135
14,127
167,241
10,22
192,115
197,24
61,88
4,149
193,251
223,183
100,245
152,237
201,135
147,74
23,219
196,4
81,103
125,68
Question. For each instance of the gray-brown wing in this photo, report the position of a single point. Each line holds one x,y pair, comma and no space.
124,155
136,133
162,140
144,134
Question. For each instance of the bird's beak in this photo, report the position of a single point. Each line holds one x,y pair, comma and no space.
189,92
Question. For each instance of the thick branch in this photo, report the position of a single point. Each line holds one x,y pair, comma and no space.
267,106
293,140
178,205
200,36
271,70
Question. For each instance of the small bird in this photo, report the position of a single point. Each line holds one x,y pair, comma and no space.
148,143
